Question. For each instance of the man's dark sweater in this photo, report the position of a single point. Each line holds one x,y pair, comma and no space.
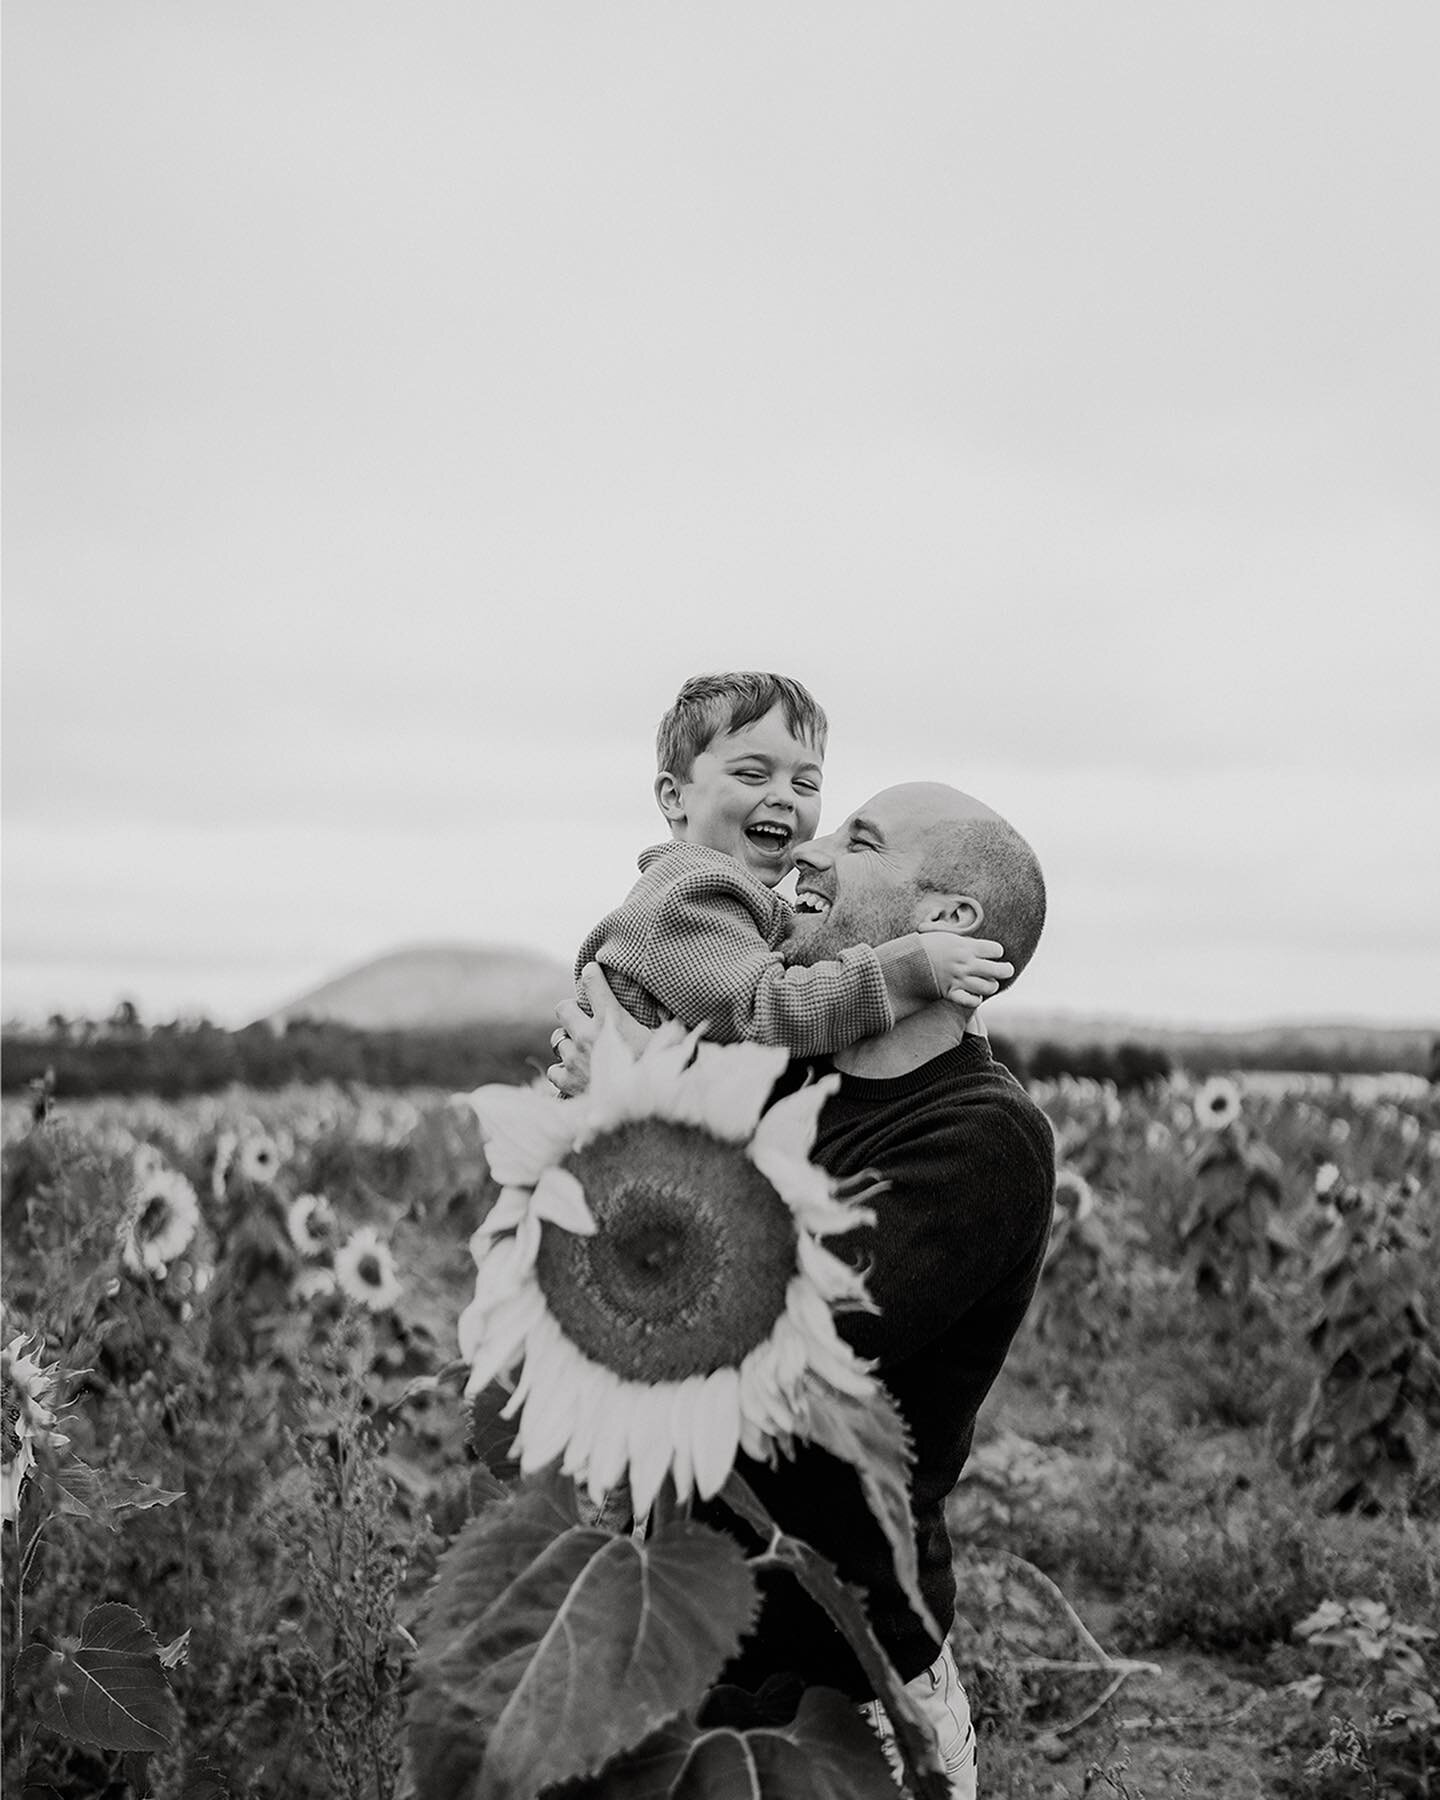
951,1262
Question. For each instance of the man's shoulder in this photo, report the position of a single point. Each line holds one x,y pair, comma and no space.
968,1109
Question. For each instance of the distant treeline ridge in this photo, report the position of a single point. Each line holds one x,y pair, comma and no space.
123,1056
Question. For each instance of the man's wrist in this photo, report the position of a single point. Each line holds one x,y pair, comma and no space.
905,964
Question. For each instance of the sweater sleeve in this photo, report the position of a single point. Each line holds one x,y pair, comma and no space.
965,1220
706,959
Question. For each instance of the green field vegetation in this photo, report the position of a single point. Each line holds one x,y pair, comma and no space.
1196,1545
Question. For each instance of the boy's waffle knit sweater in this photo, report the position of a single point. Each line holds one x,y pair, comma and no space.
698,939
952,1262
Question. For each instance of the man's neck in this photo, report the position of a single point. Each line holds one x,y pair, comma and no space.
914,1041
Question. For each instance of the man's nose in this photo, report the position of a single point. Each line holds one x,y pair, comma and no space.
817,854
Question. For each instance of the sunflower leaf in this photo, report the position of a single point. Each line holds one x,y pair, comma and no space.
552,1646
870,1435
109,1689
826,1752
103,1496
846,1610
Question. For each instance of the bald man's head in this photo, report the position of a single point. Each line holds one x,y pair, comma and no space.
967,848
877,877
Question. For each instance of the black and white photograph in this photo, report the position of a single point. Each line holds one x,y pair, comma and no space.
721,900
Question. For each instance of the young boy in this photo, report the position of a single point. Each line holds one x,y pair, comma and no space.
700,937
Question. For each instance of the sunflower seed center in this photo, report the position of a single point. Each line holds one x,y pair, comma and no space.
690,1260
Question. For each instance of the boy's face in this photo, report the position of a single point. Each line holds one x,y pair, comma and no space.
753,793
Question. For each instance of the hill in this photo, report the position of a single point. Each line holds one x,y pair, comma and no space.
436,987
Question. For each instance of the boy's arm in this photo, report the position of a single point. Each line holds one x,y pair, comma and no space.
707,960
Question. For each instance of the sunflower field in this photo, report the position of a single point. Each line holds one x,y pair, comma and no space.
259,1510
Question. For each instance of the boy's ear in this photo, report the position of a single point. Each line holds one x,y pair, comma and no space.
669,798
952,912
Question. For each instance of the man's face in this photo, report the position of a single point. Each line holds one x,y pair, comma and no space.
860,885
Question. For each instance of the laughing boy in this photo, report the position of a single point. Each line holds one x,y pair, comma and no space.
700,936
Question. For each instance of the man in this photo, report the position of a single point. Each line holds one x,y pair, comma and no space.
960,1234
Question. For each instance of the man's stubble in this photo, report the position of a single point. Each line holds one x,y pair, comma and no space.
868,919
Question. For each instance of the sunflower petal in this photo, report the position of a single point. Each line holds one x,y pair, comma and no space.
525,1131
761,1400
658,1071
651,1445
808,1192
550,1410
503,1337
832,1279
825,1351
790,1124
726,1086
470,1329
716,1431
504,1215
682,1407
612,1442
560,1198
592,1390
500,1272
754,1442
542,1333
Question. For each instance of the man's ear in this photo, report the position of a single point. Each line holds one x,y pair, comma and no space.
669,798
952,912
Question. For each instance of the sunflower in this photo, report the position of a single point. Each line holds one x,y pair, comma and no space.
259,1160
1074,1197
159,1223
365,1270
28,1390
1217,1103
226,1146
655,1260
310,1220
314,1284
147,1159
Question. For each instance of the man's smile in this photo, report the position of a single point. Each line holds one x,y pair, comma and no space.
811,900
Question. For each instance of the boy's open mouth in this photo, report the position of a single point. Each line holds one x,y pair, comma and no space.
772,838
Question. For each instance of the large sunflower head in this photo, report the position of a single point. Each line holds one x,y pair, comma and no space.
655,1262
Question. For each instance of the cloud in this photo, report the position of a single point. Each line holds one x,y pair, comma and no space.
400,408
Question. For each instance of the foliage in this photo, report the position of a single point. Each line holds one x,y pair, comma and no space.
263,1474
1375,1403
1381,1692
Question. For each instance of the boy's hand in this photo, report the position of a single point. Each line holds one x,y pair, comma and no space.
577,1031
967,970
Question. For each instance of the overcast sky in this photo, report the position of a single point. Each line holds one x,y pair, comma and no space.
402,400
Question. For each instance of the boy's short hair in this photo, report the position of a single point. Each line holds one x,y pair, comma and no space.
709,705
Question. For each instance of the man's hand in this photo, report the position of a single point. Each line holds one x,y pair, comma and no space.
967,970
577,1031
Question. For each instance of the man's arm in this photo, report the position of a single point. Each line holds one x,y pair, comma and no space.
965,1217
